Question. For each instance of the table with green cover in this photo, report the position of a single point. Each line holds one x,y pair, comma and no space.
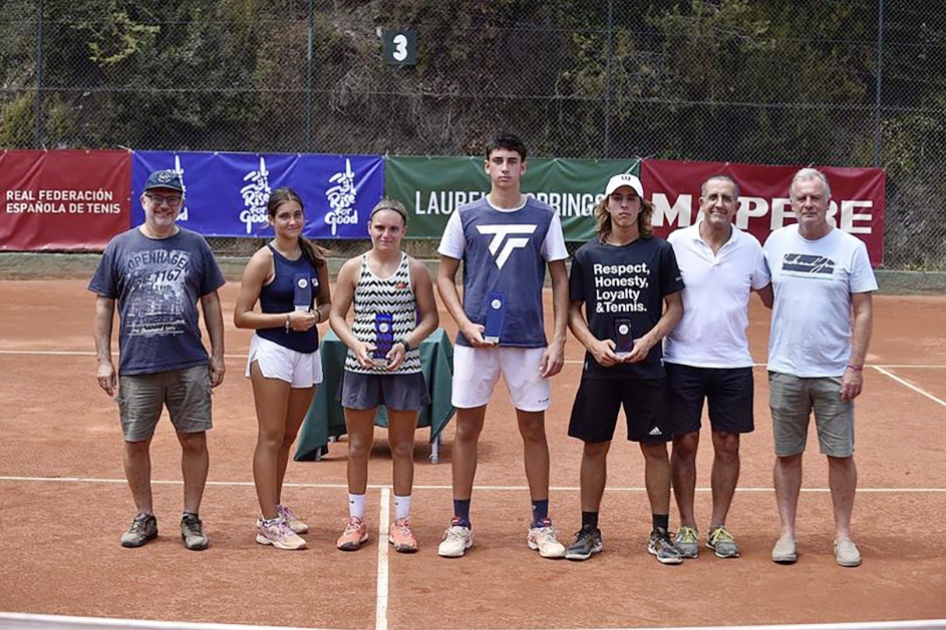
326,419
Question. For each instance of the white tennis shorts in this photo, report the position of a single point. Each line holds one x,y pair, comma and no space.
301,370
476,371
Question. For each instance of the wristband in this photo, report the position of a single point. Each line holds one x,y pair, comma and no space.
856,368
407,346
319,313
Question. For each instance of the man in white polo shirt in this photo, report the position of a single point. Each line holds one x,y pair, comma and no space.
707,356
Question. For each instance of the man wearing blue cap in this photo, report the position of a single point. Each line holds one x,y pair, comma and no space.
158,272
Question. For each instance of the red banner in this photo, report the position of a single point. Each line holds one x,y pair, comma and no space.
71,200
857,198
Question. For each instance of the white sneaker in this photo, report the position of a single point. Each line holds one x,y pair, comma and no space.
543,539
292,520
278,535
456,540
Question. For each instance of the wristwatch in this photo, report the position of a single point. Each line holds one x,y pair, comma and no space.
407,346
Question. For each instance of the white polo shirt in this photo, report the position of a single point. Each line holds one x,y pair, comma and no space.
712,332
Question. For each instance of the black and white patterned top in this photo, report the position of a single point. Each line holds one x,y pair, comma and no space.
393,295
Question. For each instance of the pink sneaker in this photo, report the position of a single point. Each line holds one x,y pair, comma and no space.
354,536
401,536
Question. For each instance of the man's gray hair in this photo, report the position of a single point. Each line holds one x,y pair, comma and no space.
808,174
725,178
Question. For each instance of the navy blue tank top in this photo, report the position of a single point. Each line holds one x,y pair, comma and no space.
278,297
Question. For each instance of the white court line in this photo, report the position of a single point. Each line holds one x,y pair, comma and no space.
908,384
342,486
23,621
85,353
381,608
27,621
90,353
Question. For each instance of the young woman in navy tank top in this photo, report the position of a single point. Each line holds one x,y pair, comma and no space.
395,309
284,363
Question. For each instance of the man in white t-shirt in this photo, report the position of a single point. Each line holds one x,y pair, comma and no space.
821,326
707,356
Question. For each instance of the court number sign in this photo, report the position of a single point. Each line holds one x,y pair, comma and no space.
399,47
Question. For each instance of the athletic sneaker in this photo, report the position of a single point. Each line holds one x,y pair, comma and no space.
354,536
143,529
542,538
722,542
401,536
846,553
785,551
278,534
192,533
687,542
292,520
456,540
661,547
587,542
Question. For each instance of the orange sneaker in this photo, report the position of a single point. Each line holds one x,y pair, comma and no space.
401,536
354,536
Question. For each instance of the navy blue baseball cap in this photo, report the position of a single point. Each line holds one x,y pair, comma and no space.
164,179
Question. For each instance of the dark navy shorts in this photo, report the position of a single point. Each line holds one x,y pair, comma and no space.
598,402
728,392
400,392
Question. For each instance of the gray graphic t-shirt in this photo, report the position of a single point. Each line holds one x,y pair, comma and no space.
157,283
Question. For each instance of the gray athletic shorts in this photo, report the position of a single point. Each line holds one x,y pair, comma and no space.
401,392
792,399
186,393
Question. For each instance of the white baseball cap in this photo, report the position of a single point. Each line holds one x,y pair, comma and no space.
624,179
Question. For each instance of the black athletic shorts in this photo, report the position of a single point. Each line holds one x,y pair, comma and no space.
598,402
728,392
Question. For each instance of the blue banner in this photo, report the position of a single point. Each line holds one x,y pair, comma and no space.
226,193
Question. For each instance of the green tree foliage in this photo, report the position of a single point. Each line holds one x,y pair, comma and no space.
727,80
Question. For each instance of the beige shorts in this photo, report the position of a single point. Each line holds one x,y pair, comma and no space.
792,399
476,371
186,393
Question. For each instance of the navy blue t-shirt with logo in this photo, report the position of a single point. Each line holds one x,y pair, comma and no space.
157,283
503,252
624,282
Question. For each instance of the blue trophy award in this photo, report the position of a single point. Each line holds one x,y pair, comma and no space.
623,337
302,300
384,338
495,316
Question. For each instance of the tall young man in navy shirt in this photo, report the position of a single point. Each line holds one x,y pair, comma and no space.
505,240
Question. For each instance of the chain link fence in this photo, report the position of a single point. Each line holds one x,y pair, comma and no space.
859,83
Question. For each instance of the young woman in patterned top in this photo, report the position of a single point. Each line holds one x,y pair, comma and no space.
395,309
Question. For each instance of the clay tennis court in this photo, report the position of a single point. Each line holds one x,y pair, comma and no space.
64,503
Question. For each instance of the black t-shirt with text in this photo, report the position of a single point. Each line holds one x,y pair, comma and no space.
625,282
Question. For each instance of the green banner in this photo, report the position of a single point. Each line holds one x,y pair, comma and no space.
433,187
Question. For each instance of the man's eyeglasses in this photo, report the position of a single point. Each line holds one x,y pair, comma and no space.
173,200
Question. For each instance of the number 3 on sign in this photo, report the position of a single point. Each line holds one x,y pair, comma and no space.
400,47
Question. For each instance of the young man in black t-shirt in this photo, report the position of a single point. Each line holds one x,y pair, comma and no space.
624,279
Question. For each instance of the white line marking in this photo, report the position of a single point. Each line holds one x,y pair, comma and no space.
909,385
381,609
90,353
83,353
342,486
27,621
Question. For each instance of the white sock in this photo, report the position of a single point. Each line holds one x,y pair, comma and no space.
356,505
402,506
